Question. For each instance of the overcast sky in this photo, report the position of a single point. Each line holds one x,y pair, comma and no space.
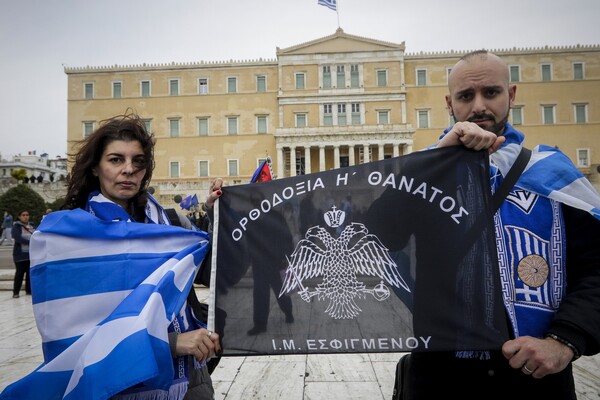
39,37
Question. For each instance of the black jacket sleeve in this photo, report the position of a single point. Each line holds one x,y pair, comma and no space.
578,317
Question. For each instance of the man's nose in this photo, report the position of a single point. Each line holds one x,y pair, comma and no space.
479,104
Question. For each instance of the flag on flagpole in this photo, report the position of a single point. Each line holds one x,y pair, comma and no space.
189,202
104,295
263,173
331,4
357,259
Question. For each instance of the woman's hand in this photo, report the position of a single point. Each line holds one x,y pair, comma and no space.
214,193
201,343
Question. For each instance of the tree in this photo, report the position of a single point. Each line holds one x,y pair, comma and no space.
56,204
20,198
18,174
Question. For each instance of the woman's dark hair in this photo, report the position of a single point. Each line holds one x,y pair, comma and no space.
82,182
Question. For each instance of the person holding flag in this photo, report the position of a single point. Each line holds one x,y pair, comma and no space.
130,275
548,248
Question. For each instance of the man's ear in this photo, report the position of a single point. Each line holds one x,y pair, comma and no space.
449,104
512,94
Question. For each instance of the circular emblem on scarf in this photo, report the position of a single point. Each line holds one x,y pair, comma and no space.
533,270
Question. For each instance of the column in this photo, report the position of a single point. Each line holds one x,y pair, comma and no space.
292,160
307,160
336,156
408,149
351,160
366,158
380,151
396,147
280,169
321,158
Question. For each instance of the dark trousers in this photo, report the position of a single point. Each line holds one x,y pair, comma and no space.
443,376
22,270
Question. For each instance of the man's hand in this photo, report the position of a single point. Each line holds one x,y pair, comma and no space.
200,343
471,136
537,357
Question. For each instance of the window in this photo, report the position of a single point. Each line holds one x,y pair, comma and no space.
548,114
382,78
583,157
517,115
261,83
174,169
578,71
117,89
340,77
231,84
88,91
174,127
341,117
203,168
147,124
423,119
300,120
327,115
448,71
203,126
421,77
232,125
515,73
88,128
580,113
173,87
355,113
546,72
326,77
202,85
383,117
261,124
232,167
354,76
145,88
300,77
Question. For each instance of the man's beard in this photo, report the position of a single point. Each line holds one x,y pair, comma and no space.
497,127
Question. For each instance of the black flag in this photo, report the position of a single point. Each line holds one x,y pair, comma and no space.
393,255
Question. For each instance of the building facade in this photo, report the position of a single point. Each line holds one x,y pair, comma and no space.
332,102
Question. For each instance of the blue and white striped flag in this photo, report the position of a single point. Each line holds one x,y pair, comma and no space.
104,295
331,4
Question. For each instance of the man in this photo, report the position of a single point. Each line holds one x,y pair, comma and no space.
7,224
548,253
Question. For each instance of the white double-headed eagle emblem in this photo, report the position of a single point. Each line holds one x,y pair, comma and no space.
339,261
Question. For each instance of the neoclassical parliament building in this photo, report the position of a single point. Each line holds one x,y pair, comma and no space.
331,102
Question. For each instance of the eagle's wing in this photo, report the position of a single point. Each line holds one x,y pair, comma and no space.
368,256
306,261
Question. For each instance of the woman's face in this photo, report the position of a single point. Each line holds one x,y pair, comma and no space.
24,217
121,170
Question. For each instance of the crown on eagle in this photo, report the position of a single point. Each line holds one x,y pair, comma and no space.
334,218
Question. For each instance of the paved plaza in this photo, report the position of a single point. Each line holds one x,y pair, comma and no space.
297,377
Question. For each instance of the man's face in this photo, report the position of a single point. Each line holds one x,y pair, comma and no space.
480,93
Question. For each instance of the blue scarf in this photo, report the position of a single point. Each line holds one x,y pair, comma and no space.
530,235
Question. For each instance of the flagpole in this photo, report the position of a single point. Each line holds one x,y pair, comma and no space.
337,11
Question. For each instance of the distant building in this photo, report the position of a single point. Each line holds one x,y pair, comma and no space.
330,102
41,168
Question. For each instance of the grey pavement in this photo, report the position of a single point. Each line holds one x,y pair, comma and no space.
297,377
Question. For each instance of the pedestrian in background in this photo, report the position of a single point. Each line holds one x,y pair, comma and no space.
7,224
21,233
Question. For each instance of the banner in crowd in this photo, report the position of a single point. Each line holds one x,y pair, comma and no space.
393,255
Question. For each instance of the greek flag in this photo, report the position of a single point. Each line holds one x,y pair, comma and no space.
550,173
331,4
104,295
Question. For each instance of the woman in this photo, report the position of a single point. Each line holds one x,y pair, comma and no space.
21,233
109,179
